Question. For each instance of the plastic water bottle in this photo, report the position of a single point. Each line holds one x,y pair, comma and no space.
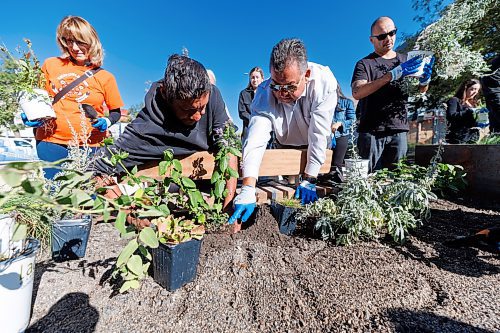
482,118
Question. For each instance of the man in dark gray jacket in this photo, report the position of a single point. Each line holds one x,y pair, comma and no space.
183,112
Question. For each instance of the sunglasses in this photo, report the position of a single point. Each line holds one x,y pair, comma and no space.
288,88
384,36
69,42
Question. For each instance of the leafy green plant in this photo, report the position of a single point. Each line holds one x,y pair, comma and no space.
389,201
405,205
324,212
134,260
155,203
450,179
150,201
17,74
172,230
36,205
491,139
290,202
228,144
360,215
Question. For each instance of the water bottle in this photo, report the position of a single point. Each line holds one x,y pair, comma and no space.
482,119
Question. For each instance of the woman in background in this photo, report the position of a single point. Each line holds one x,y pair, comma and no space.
255,77
81,51
343,119
460,113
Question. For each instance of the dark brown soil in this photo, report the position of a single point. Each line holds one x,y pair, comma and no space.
261,281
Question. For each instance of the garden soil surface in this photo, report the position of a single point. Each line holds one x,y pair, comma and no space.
261,281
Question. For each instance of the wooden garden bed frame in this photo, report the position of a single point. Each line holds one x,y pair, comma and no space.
276,162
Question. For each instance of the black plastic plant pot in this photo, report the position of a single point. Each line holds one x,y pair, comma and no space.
175,265
70,238
285,216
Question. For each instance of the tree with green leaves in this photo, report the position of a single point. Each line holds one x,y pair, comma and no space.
463,36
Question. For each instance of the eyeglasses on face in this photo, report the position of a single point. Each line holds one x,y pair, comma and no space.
290,88
69,42
287,88
384,36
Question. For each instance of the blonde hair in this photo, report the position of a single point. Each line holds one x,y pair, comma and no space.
79,29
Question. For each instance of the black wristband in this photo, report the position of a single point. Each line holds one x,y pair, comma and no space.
114,115
311,180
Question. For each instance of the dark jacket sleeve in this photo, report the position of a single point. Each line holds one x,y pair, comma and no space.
458,116
243,110
455,110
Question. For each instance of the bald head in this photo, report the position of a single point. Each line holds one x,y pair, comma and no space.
381,21
383,36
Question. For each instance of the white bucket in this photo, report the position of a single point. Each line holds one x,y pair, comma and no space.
16,289
36,105
356,166
426,57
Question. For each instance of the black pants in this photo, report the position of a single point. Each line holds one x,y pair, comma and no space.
382,149
339,152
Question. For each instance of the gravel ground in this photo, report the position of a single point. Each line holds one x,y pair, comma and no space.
261,281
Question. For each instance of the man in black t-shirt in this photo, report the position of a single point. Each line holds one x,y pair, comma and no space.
377,84
490,84
183,112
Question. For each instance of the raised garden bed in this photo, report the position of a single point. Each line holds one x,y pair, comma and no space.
480,161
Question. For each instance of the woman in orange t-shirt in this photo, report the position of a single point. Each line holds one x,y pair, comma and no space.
81,51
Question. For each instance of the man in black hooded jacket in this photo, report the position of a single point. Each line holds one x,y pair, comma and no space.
183,112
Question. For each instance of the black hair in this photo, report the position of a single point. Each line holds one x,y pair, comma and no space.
185,78
462,90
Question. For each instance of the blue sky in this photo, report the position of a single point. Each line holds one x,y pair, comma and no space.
229,37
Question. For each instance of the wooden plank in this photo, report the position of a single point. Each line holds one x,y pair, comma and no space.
261,196
272,193
323,190
276,162
288,192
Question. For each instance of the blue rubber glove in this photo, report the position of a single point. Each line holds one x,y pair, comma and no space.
32,123
406,68
244,204
425,79
101,124
306,192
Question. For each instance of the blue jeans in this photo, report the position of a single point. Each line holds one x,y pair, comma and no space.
382,150
51,152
